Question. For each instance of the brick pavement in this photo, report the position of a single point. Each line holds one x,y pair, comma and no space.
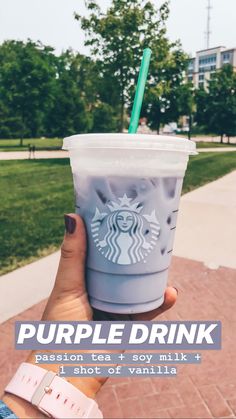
199,391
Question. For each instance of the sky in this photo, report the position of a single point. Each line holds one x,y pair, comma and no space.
52,22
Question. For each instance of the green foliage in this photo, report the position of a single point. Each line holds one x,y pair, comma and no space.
44,95
168,95
118,37
27,73
104,118
216,106
70,111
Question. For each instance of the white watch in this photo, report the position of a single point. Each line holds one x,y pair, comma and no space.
51,394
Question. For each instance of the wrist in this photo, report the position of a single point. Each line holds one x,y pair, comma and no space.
21,408
48,394
87,385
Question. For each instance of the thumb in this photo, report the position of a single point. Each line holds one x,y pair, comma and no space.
70,276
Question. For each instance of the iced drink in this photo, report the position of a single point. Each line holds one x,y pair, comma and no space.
127,190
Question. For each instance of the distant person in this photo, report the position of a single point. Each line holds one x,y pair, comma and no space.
33,151
30,150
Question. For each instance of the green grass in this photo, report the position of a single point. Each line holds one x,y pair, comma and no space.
205,144
40,144
36,194
206,167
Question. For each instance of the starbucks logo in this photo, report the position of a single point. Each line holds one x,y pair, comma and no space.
129,235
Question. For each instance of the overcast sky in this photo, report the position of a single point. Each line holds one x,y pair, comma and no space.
52,22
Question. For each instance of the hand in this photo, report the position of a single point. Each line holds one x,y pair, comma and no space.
69,300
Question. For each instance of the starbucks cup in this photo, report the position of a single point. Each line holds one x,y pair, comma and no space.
127,190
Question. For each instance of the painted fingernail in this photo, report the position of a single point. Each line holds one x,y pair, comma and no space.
176,289
70,224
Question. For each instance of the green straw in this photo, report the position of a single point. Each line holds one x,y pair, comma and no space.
138,99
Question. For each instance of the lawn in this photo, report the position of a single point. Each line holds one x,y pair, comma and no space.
40,144
34,197
36,194
206,144
206,167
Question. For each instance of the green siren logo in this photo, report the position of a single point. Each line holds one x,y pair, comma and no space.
126,241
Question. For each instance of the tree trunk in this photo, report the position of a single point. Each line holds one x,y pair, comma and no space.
122,98
189,126
158,127
122,112
221,138
228,139
22,130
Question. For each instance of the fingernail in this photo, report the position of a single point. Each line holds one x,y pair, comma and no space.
176,289
70,224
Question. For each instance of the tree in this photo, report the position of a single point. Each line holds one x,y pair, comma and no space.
44,94
99,95
168,96
71,110
104,119
186,103
216,106
27,74
118,37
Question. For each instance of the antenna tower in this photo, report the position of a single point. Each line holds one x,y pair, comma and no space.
208,30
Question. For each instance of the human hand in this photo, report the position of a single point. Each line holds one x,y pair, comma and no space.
69,300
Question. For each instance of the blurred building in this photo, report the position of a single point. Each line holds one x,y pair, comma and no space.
208,61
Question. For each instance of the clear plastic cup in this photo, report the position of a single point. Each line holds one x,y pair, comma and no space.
127,189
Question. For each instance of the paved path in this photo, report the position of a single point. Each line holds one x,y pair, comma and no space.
60,154
26,286
206,232
206,228
24,155
201,391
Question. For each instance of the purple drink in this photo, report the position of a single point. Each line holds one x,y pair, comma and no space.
130,222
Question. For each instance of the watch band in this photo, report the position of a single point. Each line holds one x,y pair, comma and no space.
51,394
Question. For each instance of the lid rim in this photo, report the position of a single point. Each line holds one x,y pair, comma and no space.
127,141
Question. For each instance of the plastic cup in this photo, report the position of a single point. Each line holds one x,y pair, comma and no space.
127,190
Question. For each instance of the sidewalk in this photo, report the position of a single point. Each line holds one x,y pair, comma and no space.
24,155
26,286
206,226
60,154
